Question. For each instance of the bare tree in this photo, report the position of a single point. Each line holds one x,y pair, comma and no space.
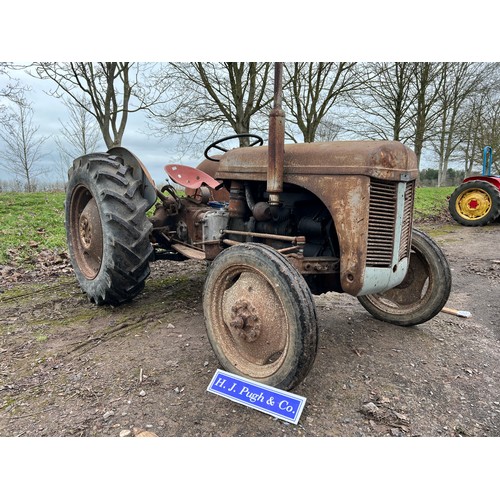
491,133
461,81
471,132
428,80
328,129
22,150
399,102
385,102
313,89
11,90
479,125
110,90
212,97
79,135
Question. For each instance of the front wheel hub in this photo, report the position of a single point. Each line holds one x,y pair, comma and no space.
244,321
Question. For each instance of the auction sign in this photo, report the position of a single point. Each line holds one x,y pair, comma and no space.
267,399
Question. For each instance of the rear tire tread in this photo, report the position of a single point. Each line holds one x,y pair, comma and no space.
127,248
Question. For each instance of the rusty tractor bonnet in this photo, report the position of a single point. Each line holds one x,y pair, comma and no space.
368,189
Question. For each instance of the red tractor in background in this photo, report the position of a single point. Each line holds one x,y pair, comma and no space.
476,202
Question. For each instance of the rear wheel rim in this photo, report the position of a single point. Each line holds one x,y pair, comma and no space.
473,204
86,232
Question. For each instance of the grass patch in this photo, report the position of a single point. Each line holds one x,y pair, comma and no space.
29,223
431,201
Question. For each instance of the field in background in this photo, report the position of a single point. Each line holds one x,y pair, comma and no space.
431,201
32,222
29,223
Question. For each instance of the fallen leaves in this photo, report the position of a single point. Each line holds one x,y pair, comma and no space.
46,263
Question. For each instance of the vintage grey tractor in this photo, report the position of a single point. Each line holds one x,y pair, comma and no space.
277,223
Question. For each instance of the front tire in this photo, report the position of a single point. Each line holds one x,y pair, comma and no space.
475,203
260,316
423,292
107,228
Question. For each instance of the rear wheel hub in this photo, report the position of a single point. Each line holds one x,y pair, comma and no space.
473,204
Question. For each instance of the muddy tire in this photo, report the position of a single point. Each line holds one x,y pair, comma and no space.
107,228
260,316
475,203
423,292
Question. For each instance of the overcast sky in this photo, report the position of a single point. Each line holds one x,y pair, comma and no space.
50,114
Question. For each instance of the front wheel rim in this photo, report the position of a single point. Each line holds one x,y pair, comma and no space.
411,293
249,321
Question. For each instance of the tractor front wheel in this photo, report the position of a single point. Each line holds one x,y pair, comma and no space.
107,228
423,292
475,203
260,316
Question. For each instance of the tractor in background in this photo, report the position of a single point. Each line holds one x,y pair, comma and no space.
476,202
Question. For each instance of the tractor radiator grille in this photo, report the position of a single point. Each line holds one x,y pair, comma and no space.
404,248
381,223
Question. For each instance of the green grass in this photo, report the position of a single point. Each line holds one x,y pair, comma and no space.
431,201
31,222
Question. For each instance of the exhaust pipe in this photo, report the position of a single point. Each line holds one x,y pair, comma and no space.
276,148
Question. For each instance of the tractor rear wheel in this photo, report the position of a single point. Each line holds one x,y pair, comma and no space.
475,203
107,228
423,292
260,316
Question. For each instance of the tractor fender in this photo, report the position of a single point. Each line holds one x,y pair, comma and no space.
492,179
136,164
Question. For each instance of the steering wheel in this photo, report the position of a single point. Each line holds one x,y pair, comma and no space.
215,145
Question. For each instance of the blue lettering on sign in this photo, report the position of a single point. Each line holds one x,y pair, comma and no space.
280,404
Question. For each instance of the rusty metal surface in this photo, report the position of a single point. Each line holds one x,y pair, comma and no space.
338,173
347,200
191,253
192,214
260,316
179,222
86,232
292,239
276,150
237,201
254,315
162,212
388,160
314,265
253,318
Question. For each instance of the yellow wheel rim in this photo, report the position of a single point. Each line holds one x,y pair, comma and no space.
473,204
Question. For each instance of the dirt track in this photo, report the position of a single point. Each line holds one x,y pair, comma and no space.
69,368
